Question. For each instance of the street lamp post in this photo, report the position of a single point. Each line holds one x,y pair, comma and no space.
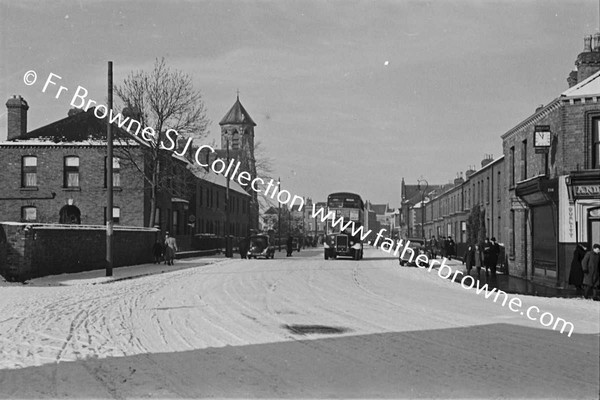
228,244
422,204
279,217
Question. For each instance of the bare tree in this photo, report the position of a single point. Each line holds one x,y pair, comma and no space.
163,99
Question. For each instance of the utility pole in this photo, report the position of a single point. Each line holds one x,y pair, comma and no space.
279,218
228,244
422,205
109,178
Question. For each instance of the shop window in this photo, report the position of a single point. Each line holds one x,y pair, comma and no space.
29,171
71,172
28,214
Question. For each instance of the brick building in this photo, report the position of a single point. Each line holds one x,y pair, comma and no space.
56,174
553,177
447,207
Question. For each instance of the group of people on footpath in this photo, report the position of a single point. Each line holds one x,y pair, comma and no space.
484,255
585,274
165,250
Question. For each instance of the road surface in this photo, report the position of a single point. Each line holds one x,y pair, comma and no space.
290,327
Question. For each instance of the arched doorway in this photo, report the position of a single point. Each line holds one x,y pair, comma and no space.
69,215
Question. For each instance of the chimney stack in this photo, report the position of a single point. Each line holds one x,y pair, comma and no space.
17,117
488,158
470,171
588,61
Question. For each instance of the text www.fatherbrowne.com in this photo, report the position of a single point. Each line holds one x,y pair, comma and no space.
515,304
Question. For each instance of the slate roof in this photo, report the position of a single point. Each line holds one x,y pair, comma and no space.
80,127
237,115
588,87
380,209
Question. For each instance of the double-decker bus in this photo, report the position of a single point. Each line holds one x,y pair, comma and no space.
338,242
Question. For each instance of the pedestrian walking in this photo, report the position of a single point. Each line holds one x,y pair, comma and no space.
576,273
478,260
158,250
487,254
444,246
494,255
290,246
170,249
469,258
243,247
451,248
590,271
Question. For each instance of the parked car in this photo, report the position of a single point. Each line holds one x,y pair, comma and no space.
418,246
260,246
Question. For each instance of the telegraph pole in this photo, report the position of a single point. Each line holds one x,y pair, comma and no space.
109,178
279,209
228,244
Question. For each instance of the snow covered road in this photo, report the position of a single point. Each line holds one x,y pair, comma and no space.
227,330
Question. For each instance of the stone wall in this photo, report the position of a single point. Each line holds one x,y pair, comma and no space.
33,250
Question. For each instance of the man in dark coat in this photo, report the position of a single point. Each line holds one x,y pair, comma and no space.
576,273
590,265
469,258
451,251
243,247
290,246
487,255
494,255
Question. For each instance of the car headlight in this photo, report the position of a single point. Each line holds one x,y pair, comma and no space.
351,243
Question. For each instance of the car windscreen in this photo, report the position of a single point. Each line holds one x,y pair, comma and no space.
258,242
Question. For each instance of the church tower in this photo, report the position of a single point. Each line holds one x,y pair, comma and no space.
237,128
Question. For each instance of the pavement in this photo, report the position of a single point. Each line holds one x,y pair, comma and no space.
98,276
506,283
512,284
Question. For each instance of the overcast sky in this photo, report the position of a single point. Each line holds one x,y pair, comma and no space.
347,95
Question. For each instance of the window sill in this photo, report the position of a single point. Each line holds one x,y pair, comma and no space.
29,189
115,188
72,189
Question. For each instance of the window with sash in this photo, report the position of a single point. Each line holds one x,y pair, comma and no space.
29,171
71,172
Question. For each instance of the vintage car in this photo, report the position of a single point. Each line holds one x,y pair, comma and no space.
418,246
260,246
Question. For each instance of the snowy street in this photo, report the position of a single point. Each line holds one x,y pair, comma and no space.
234,329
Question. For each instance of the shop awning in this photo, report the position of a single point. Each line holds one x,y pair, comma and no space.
538,190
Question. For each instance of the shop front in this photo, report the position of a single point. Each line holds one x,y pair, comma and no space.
540,196
584,194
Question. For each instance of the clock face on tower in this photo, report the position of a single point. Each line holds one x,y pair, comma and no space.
542,139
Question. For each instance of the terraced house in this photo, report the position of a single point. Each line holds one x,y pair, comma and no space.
57,174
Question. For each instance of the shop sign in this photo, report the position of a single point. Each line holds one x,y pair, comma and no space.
587,191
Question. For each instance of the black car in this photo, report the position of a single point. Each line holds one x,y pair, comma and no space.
417,245
260,247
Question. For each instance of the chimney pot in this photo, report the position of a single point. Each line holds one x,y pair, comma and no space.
587,43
